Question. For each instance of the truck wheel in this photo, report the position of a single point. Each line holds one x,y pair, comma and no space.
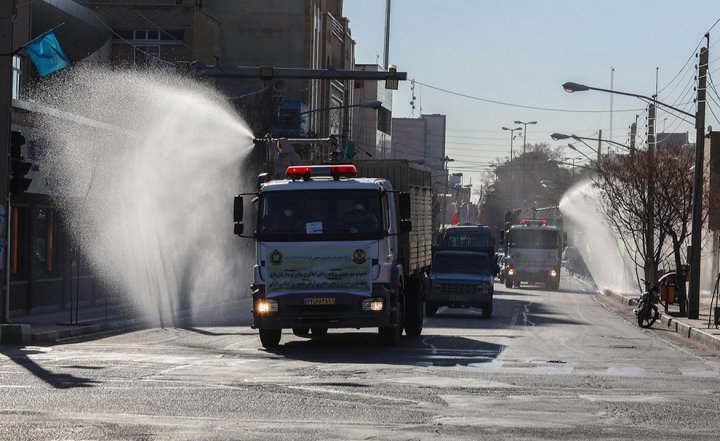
270,338
516,284
553,285
389,336
430,309
413,310
487,310
508,283
319,332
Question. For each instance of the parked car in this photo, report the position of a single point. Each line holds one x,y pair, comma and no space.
460,279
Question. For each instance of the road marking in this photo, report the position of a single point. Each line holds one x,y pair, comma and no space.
700,373
626,371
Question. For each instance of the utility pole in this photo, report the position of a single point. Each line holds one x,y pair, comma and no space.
446,159
696,237
599,146
633,134
386,54
650,275
6,49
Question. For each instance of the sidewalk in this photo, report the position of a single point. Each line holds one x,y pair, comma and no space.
693,329
52,325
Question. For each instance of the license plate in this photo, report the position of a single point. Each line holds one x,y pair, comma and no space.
458,298
320,301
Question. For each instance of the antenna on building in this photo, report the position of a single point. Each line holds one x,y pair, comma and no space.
412,100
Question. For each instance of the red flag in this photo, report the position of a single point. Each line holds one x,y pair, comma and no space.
454,219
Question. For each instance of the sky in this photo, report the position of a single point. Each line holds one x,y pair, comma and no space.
487,63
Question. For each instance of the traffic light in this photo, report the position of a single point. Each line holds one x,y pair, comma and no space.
18,166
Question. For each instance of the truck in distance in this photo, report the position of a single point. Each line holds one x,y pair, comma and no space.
533,252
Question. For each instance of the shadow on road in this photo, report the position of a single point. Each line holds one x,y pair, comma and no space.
57,380
364,348
507,313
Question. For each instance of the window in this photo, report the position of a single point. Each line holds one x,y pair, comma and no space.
43,242
383,120
461,263
320,215
146,35
538,239
147,55
16,76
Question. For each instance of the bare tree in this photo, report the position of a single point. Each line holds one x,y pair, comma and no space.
624,184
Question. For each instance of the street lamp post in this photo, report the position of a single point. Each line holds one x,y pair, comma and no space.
522,175
512,136
693,310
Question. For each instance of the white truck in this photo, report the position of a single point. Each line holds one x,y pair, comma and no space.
335,250
533,252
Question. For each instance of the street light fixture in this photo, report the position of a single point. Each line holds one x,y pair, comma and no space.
558,162
582,153
522,175
699,118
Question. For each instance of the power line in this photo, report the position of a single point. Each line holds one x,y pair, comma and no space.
520,105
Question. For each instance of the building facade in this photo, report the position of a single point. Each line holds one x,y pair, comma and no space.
46,268
372,129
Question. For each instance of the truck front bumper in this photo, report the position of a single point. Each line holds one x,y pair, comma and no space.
460,299
327,310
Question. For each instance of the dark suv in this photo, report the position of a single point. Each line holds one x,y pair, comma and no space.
460,279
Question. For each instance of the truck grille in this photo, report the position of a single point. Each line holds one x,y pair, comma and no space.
319,308
460,288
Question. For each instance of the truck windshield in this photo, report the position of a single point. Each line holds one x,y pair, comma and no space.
465,239
540,239
320,215
462,263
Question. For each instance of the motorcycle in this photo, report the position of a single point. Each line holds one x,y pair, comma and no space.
647,311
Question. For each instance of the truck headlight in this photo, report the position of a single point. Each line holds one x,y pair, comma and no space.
373,304
511,271
553,273
265,306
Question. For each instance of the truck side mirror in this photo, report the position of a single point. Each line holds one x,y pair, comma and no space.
404,205
261,180
405,225
238,228
502,237
238,209
564,238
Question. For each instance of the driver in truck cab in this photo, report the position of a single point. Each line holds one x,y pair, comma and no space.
288,221
360,219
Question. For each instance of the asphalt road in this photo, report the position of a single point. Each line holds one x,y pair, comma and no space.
548,365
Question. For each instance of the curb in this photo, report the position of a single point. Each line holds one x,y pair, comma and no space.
87,329
690,332
14,334
672,324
